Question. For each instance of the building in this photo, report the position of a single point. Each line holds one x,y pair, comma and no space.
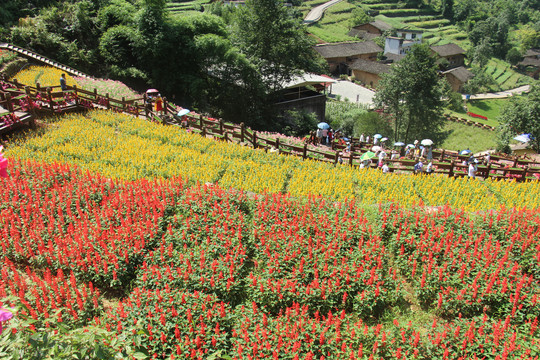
340,55
397,45
368,72
531,62
407,34
371,30
457,77
298,94
452,53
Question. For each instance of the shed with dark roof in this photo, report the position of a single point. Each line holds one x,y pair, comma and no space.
340,55
453,53
368,72
370,30
457,77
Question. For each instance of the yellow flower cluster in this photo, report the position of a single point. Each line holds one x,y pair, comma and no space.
44,75
125,147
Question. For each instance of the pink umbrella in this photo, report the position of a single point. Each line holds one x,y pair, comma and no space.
4,316
152,91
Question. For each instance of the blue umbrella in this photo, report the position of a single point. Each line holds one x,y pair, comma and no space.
183,112
399,143
377,136
465,152
323,125
345,139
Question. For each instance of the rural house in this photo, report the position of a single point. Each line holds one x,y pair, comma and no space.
457,77
371,30
368,72
454,55
340,55
531,62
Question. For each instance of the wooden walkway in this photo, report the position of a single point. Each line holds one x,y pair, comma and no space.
27,103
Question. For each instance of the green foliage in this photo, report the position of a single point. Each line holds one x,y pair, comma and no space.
481,82
120,45
411,93
22,339
522,115
298,122
359,16
118,12
494,31
513,56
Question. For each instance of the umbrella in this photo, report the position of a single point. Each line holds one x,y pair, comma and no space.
523,138
345,139
465,152
377,136
152,91
384,139
410,146
323,125
183,112
376,148
367,155
399,143
426,142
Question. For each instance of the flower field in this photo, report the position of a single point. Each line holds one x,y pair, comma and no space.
180,270
44,75
121,147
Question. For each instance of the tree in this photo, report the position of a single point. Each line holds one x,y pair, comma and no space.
513,56
411,93
359,16
274,41
522,116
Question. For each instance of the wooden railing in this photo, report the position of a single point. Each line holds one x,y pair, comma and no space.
31,101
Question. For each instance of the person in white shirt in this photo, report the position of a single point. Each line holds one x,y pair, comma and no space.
361,138
382,155
473,168
385,168
324,135
375,141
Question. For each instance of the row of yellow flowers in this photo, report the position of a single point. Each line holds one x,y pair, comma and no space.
121,146
44,75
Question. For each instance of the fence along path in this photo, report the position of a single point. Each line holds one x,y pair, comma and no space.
27,103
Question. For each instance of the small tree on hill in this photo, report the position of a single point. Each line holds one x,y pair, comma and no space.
411,92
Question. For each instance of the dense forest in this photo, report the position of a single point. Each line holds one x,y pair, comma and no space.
225,60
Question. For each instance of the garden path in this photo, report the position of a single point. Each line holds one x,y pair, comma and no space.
500,94
317,12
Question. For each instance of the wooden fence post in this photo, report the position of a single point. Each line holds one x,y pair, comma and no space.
336,157
254,139
108,101
49,97
123,103
488,170
524,176
442,155
277,145
304,152
221,126
75,89
515,161
350,158
95,93
201,122
9,103
451,172
242,132
38,86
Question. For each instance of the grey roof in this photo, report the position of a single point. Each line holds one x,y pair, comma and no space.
362,34
532,52
381,25
448,50
347,49
530,61
460,73
372,67
393,57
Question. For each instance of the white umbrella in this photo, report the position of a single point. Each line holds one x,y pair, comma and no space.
426,142
377,136
384,139
523,138
399,143
376,148
183,112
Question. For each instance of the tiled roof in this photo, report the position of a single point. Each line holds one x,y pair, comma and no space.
448,50
347,49
460,73
372,67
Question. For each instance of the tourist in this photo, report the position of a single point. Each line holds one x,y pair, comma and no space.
159,104
385,168
362,138
429,168
320,135
63,83
324,136
418,168
473,168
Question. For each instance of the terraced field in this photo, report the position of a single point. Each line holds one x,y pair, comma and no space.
176,7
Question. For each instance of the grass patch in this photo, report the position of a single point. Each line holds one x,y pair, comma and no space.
489,107
461,136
